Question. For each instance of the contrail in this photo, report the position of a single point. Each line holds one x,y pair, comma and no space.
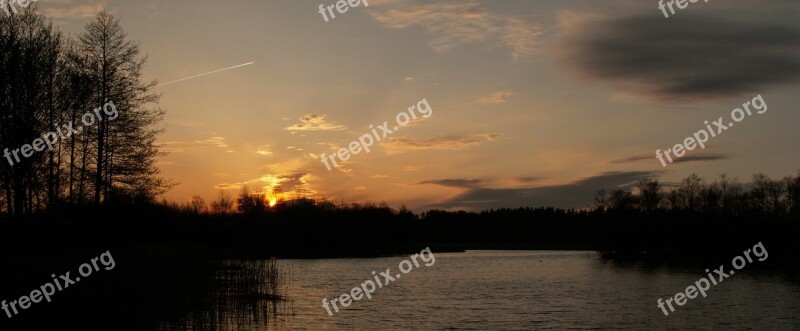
205,74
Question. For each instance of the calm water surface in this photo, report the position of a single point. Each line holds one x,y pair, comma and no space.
529,290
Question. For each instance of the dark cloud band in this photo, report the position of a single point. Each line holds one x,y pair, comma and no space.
687,56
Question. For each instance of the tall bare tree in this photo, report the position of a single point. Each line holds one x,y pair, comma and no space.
29,57
125,147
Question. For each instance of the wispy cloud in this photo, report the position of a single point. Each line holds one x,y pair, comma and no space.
526,180
69,9
204,145
496,97
264,150
312,122
288,184
402,145
451,24
503,182
462,183
687,158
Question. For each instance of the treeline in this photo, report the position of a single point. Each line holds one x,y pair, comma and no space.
691,218
725,196
675,222
49,80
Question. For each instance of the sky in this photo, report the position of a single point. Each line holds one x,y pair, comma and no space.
533,103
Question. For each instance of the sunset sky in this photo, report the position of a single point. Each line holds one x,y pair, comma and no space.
534,102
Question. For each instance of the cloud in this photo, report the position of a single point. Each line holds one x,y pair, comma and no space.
633,159
688,56
284,166
526,180
496,97
213,141
264,150
402,145
701,158
463,183
688,158
60,9
288,184
313,122
296,184
451,24
577,194
196,146
518,181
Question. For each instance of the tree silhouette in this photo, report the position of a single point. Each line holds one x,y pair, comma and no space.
48,82
29,54
125,147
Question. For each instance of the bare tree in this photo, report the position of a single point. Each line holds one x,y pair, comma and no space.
621,199
711,197
689,192
29,59
650,194
601,200
197,204
223,204
126,148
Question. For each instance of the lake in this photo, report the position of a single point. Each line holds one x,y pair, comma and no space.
528,290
